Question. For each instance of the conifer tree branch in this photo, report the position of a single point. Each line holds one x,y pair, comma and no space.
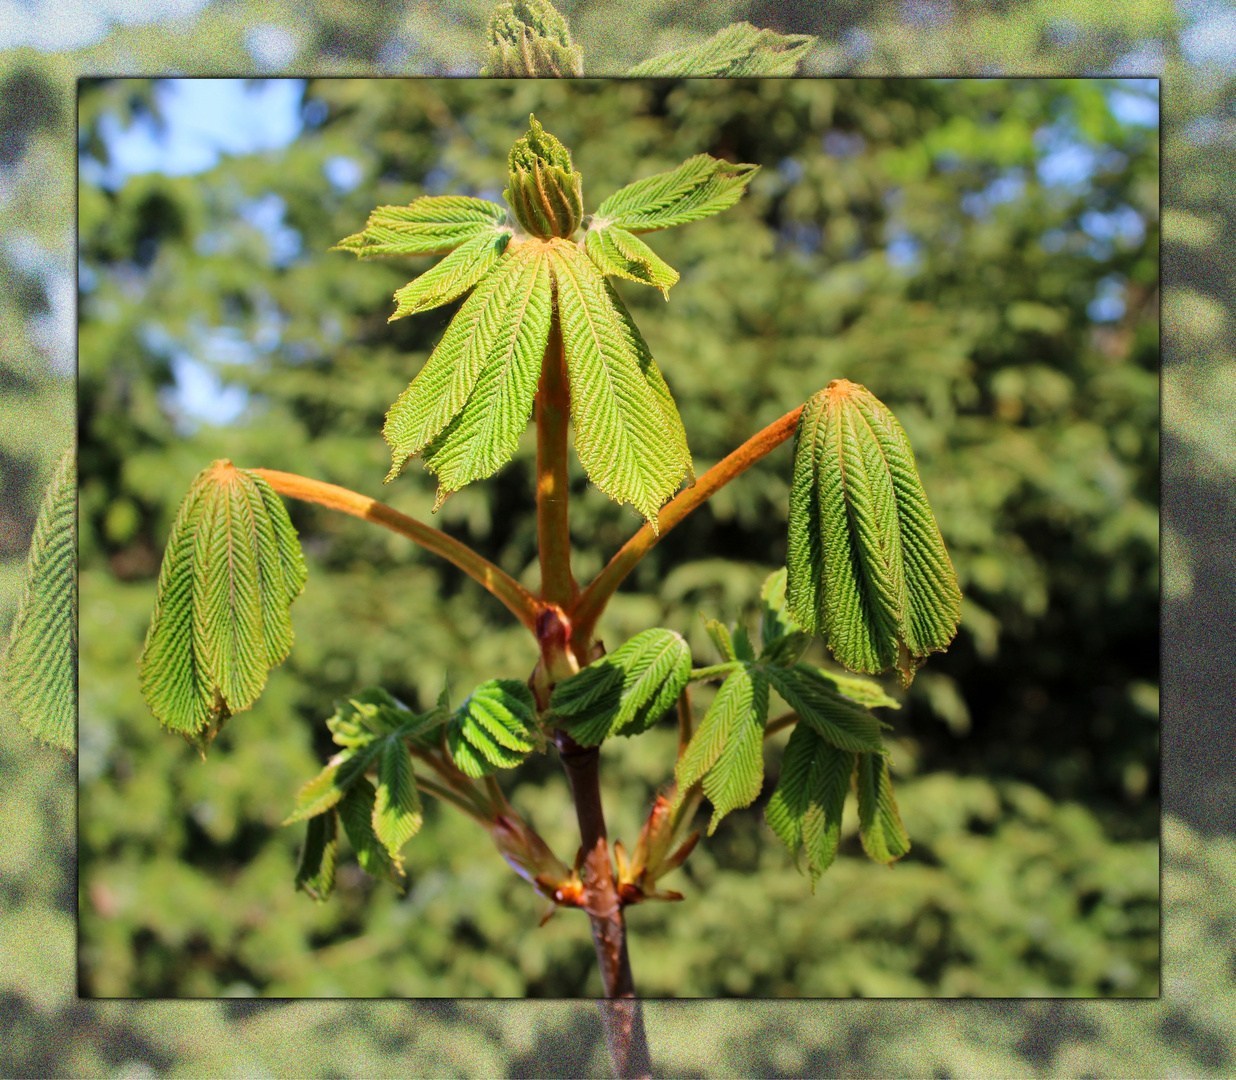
521,603
591,602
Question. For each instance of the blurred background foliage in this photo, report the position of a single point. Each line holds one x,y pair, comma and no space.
1189,1032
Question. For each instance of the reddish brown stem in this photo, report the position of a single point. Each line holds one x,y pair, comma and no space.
553,534
591,602
522,604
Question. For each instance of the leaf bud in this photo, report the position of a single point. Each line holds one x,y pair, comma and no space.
545,192
529,39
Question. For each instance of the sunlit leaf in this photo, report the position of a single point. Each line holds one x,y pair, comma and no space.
867,568
494,728
879,822
740,50
452,277
616,251
699,187
397,814
221,621
432,225
38,672
840,721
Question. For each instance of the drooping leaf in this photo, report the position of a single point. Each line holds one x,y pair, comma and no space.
866,692
431,225
494,728
231,569
356,813
740,50
453,276
726,751
397,814
529,39
627,691
484,435
806,805
843,723
442,387
616,251
879,823
628,433
38,672
316,873
867,568
699,187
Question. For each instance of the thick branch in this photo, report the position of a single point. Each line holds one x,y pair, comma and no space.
592,600
553,413
522,604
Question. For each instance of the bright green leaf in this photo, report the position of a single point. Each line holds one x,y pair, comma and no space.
231,569
740,50
38,672
356,812
319,794
397,814
719,635
453,276
494,728
628,434
699,187
726,751
432,225
867,568
879,823
484,435
626,692
619,252
806,805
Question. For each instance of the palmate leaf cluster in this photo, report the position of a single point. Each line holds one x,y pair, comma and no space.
466,409
836,743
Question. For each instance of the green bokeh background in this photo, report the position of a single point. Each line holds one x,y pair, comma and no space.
1189,1031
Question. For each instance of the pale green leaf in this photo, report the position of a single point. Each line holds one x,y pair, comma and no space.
879,822
397,814
619,252
627,691
867,568
221,621
494,728
432,225
699,187
38,672
719,635
726,751
866,692
806,805
453,276
319,794
628,434
316,873
740,50
442,387
484,435
843,723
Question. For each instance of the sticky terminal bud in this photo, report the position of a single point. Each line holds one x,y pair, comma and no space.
529,39
544,191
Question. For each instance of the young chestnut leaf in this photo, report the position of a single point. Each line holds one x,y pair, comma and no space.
626,691
495,728
867,568
740,50
38,671
231,570
466,409
316,873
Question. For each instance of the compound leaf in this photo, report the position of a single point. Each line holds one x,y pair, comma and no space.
699,187
740,50
453,276
221,621
867,568
484,435
356,812
431,225
806,805
626,692
726,751
38,671
628,433
879,823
